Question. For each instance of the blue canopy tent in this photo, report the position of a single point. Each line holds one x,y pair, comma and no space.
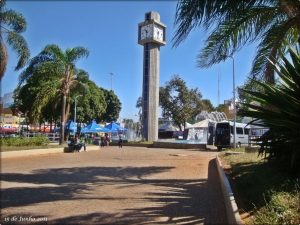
93,127
116,130
71,126
114,127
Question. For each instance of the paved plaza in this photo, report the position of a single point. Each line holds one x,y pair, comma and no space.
133,185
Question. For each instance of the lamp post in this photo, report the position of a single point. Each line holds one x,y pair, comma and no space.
75,108
234,106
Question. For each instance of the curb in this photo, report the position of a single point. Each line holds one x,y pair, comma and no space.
42,151
232,212
21,153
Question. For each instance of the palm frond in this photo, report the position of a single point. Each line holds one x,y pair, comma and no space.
190,14
271,45
49,92
233,33
235,23
54,52
76,53
13,20
33,63
20,46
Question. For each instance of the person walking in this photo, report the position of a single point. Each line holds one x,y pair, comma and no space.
120,141
102,142
107,140
83,141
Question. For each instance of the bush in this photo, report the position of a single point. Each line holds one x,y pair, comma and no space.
278,108
24,141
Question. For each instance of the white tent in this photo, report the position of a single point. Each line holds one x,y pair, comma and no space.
188,125
168,126
202,131
203,123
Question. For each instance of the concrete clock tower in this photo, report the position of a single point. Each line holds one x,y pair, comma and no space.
152,35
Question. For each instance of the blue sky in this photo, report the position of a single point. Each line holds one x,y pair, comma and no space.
109,30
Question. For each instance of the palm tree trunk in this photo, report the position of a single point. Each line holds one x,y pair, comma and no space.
3,59
67,110
62,126
51,122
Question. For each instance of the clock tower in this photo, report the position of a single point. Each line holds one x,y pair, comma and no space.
152,35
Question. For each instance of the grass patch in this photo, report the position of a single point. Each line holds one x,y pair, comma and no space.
241,149
262,188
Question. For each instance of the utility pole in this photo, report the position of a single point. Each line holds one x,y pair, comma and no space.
234,106
219,86
75,108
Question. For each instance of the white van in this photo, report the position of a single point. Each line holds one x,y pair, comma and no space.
224,134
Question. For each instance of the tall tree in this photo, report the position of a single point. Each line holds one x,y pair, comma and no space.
12,24
178,102
272,24
207,105
91,105
139,106
113,108
55,62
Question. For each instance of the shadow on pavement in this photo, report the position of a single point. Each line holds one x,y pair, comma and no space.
184,201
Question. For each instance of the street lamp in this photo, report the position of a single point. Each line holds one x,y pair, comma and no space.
234,106
75,108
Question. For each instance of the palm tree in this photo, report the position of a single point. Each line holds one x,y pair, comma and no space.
272,24
55,62
11,25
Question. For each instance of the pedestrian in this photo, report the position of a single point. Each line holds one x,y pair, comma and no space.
77,144
107,140
120,141
102,142
83,141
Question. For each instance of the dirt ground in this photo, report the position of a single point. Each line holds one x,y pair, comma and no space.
132,185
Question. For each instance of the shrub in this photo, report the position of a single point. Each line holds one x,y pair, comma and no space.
24,141
278,108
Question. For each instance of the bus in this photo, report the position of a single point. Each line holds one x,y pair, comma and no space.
224,134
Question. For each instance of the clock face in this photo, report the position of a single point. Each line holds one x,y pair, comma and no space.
158,33
147,31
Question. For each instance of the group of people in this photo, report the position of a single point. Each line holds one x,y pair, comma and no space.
105,140
76,143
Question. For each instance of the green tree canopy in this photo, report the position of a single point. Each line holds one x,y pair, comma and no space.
113,107
90,105
178,102
207,105
36,95
12,24
234,23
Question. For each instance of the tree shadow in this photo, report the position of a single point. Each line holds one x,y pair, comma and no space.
67,182
185,201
